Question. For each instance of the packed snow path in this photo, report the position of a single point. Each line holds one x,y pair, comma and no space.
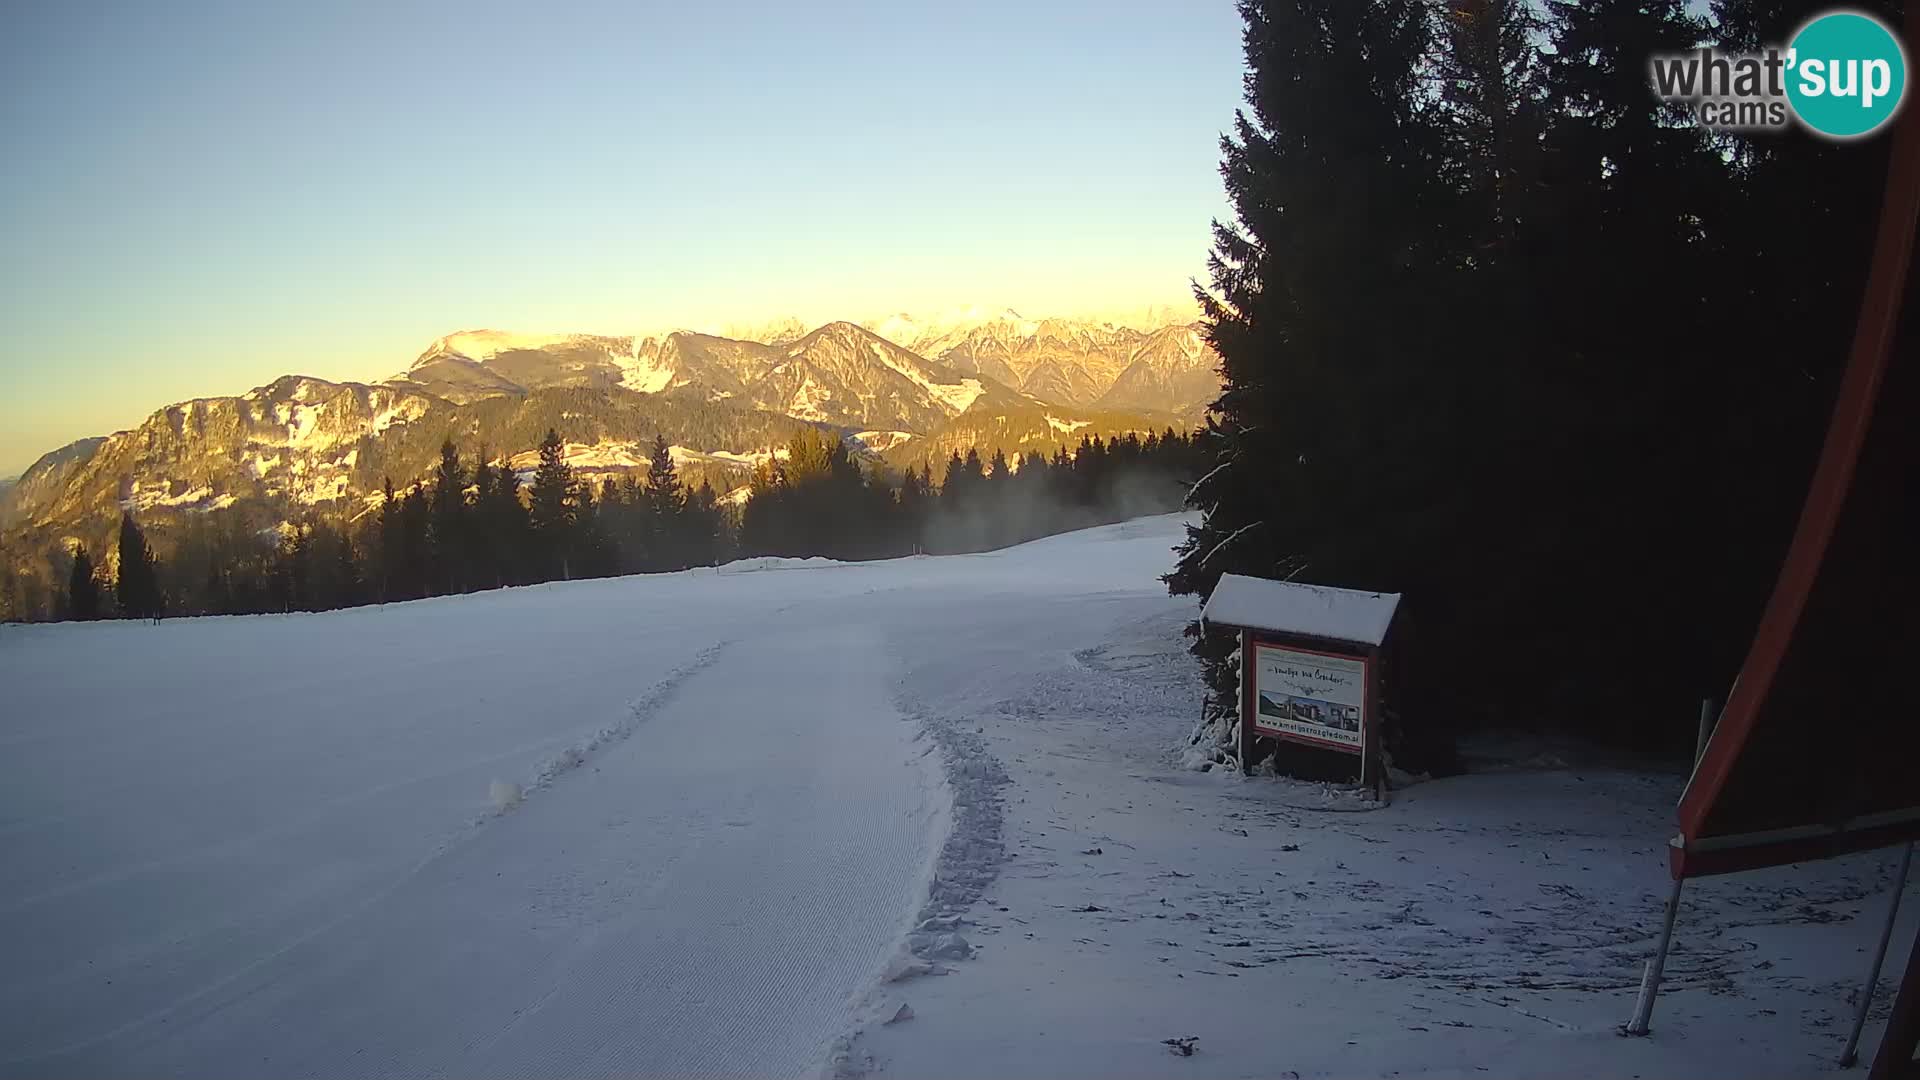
267,846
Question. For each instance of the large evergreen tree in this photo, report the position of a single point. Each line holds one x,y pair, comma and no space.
551,503
1319,459
665,510
448,539
137,589
83,588
1491,115
1518,346
389,531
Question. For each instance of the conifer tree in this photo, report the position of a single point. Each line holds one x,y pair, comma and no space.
507,521
1328,170
83,589
447,532
415,577
390,555
1492,113
551,508
954,490
138,587
665,509
703,526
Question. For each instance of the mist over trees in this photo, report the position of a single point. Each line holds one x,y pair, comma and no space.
1504,332
471,524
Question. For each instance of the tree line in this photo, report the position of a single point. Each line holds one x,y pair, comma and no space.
1505,332
815,500
471,526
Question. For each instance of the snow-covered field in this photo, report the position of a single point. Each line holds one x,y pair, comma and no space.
764,808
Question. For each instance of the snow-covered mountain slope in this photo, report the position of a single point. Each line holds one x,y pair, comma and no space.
1166,368
473,364
847,375
841,373
1171,364
296,437
689,825
300,442
44,479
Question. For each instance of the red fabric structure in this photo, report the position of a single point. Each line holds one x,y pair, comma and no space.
1816,751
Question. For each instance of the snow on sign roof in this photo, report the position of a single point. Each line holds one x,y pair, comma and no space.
1290,607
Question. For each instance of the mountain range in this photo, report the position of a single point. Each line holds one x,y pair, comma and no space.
904,390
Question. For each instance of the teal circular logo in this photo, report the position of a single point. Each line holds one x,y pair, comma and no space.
1847,74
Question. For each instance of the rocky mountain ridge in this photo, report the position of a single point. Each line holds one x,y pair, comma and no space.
998,383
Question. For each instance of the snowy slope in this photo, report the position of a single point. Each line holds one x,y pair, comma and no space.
269,846
1490,924
265,845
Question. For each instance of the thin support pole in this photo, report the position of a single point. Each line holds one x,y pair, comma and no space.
1650,982
1879,957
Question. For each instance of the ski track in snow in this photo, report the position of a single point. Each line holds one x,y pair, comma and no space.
1496,921
878,818
700,885
265,845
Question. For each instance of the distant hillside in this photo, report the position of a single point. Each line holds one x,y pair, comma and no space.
302,445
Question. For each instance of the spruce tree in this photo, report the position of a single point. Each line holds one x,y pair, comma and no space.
508,524
1328,169
83,589
390,553
1492,113
447,532
954,490
912,510
665,510
551,508
138,587
971,470
809,456
416,512
703,526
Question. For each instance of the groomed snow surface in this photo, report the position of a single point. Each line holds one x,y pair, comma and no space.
734,823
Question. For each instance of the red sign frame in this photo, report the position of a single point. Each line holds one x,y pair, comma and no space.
1249,692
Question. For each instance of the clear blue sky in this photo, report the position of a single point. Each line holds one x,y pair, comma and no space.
197,198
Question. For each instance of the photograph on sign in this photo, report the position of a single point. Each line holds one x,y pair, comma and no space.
1311,697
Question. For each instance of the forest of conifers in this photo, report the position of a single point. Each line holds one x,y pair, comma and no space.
473,525
1503,331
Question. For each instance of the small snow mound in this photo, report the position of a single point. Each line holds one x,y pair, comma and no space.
1312,795
907,966
504,794
1201,759
942,946
570,758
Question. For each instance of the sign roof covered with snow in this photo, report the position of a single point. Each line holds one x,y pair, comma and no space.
1292,607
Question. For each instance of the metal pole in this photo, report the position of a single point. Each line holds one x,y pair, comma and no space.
1879,956
1650,982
